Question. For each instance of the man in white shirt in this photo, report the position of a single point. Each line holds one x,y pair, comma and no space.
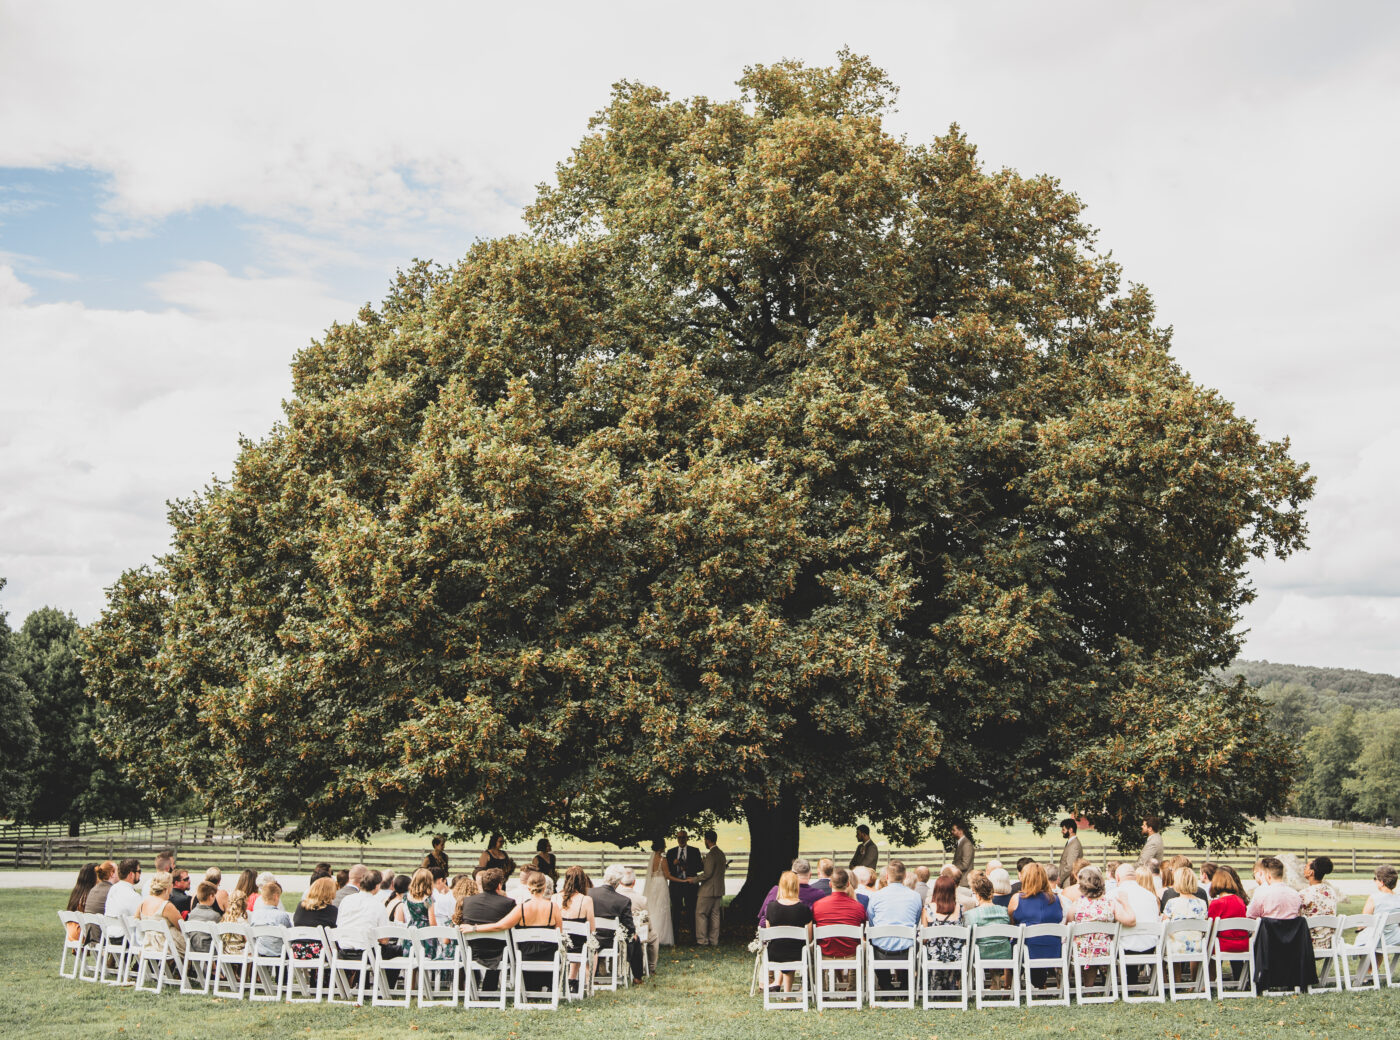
444,902
362,910
1142,905
122,898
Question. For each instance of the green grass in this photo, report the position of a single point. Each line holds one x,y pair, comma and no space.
695,995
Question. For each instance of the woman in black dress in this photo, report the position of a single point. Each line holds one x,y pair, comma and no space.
496,856
544,860
788,909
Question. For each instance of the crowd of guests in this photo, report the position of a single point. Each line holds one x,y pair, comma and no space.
1134,895
490,899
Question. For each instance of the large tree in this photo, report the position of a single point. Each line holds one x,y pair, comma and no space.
18,737
68,781
782,470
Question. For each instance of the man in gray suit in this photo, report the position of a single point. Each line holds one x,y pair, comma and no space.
609,903
964,855
867,854
1074,851
710,898
1152,848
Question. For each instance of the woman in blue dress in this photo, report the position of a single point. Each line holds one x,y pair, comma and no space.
1036,904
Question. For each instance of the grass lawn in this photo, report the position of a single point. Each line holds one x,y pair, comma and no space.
696,994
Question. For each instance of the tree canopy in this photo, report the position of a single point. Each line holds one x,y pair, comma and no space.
18,737
782,468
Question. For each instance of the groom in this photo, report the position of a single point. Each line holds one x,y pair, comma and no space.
684,864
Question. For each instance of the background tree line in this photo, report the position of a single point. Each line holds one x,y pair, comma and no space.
50,769
1346,726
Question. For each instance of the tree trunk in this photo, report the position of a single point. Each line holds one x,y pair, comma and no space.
772,848
73,826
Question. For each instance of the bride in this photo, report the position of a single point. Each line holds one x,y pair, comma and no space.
658,893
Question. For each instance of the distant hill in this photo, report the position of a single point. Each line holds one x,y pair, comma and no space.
1364,691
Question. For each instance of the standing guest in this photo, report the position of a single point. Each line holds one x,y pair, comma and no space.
436,859
709,898
788,909
825,867
987,912
1227,900
809,895
544,860
354,882
122,898
1273,898
922,888
893,905
942,909
444,902
840,907
180,892
867,854
165,864
865,887
1191,906
610,904
964,853
157,906
361,910
78,897
96,902
1036,904
1073,851
1383,901
269,912
205,909
1152,847
495,857
1319,898
684,865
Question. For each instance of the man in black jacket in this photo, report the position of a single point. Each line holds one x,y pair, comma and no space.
685,866
608,902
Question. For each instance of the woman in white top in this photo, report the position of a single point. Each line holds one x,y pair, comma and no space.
658,893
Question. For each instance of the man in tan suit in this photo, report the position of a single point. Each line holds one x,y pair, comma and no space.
1074,850
1152,847
964,853
710,898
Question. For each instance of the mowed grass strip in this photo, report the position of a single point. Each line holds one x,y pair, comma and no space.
697,994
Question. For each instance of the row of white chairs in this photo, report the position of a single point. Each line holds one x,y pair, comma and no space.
393,965
1354,956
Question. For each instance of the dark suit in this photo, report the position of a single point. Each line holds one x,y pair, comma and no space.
609,902
867,855
684,863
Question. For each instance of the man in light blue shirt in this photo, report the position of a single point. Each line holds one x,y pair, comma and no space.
893,904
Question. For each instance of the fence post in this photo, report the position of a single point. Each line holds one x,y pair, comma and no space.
1353,858
44,854
19,849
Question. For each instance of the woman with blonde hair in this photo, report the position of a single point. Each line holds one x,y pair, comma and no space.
1187,906
788,910
158,905
463,885
417,911
215,877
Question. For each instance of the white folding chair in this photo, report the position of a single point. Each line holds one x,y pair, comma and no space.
70,945
934,996
1198,961
349,965
265,974
90,960
536,963
439,976
478,950
1151,990
305,965
233,959
648,955
1387,946
582,959
199,957
391,972
904,961
982,962
827,967
1244,986
777,998
115,956
1107,991
612,955
1058,992
156,956
1358,936
1330,975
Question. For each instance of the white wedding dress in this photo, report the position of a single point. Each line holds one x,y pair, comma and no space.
658,892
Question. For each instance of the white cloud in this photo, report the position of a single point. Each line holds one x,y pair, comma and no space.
12,290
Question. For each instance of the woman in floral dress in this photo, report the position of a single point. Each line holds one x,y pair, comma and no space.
1319,898
1185,908
942,909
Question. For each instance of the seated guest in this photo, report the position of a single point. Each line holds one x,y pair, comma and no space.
354,882
576,905
361,910
485,907
942,909
386,884
416,910
518,887
610,904
802,870
342,878
269,912
1020,866
1189,907
1385,901
822,884
206,909
1036,904
840,907
263,878
444,903
1110,877
893,905
538,911
1136,892
987,912
1001,885
157,905
1052,873
165,864
77,899
1208,872
1319,898
966,899
237,913
393,905
180,891
1169,874
122,898
1273,898
96,902
463,885
246,886
865,887
1069,885
215,877
317,908
922,887
788,909
1094,904
1227,900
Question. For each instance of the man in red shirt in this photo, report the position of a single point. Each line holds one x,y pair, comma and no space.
838,908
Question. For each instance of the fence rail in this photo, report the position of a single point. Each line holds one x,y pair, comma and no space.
231,853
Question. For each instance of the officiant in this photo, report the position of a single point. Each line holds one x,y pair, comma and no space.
684,865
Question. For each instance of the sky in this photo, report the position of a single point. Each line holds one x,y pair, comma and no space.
190,193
